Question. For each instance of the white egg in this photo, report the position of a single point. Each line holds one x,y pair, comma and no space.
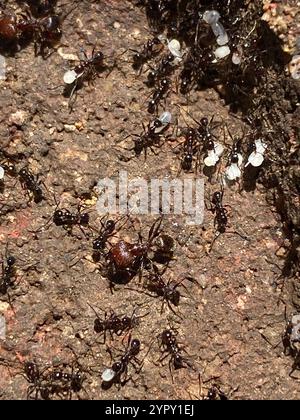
219,149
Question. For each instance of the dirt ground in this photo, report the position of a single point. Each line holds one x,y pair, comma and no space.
233,319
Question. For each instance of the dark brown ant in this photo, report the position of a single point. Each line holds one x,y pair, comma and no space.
67,219
118,373
214,393
151,136
150,50
35,377
60,382
190,148
87,69
114,324
158,94
170,347
126,259
221,219
168,291
32,184
8,275
41,7
165,68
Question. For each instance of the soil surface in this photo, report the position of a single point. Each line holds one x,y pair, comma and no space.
233,317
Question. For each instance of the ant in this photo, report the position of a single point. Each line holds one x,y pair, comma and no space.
32,184
190,148
8,276
158,94
151,135
215,393
126,258
108,229
165,68
35,378
120,368
151,49
221,219
170,346
61,382
42,7
63,217
87,69
44,31
114,324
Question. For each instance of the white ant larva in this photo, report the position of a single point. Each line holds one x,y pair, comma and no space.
165,119
256,158
213,156
108,375
222,52
233,171
71,76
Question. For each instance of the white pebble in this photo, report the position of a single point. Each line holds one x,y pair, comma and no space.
2,328
70,76
108,375
2,67
1,172
222,52
211,16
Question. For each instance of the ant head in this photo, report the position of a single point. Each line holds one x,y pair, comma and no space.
84,219
135,345
204,122
51,23
217,197
126,320
98,326
11,261
98,57
110,226
23,172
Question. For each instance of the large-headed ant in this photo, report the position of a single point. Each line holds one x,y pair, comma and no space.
45,31
32,184
126,259
115,324
170,347
87,69
150,50
119,369
158,94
